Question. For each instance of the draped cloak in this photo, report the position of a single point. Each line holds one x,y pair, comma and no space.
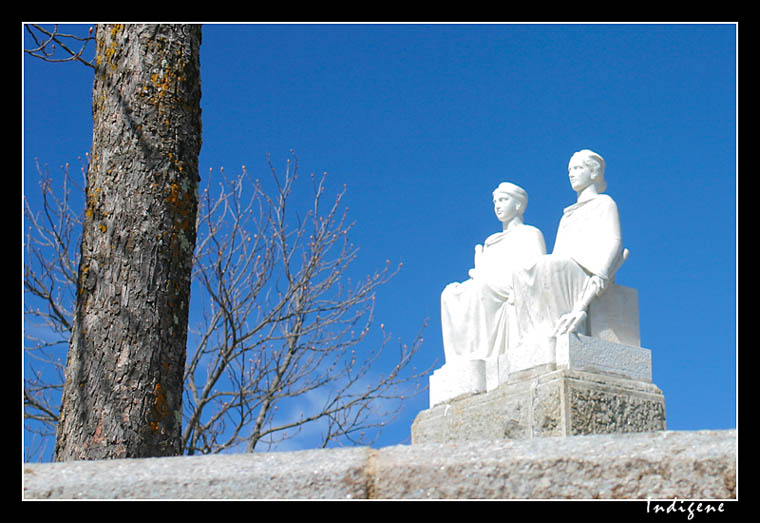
476,314
588,243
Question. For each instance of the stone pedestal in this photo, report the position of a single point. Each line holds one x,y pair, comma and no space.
541,402
612,346
596,382
453,380
610,342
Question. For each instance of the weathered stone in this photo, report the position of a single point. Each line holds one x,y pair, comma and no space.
659,466
314,474
577,352
539,403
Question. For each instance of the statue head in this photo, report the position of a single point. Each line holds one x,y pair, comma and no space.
595,165
509,200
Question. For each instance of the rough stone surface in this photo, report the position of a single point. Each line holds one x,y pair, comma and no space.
632,466
568,351
544,403
314,474
659,465
580,352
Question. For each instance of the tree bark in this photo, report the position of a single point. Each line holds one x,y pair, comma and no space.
123,391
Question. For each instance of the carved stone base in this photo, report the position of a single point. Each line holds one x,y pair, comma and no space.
546,402
452,380
568,351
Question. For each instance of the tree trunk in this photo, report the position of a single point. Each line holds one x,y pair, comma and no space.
123,392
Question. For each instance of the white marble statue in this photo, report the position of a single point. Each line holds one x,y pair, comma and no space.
553,294
476,315
524,312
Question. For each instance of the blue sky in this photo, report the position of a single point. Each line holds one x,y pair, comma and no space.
422,121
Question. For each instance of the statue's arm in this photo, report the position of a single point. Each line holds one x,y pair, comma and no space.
606,228
537,245
571,321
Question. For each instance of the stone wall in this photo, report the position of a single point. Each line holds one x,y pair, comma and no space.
666,465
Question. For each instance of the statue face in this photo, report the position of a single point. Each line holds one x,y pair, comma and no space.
505,206
581,175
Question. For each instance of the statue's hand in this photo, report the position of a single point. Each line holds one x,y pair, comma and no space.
570,322
599,284
473,273
478,255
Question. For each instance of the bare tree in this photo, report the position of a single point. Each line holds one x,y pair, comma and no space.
283,323
50,274
281,338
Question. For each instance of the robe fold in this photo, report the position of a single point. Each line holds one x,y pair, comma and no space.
476,314
588,243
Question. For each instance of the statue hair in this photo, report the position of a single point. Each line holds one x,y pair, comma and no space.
516,192
596,163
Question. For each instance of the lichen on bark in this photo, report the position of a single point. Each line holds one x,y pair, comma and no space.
125,366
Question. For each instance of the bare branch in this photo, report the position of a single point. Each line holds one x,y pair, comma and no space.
283,343
50,266
47,42
289,324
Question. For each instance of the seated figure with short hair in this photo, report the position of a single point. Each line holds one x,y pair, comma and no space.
553,294
476,314
519,308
